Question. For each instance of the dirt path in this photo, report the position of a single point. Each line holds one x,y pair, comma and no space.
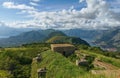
105,69
105,65
109,71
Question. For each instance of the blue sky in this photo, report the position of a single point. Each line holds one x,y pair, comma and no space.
43,5
54,13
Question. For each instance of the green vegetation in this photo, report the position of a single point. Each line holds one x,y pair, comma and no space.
98,50
55,33
98,53
66,39
34,68
43,36
58,66
73,58
5,74
18,62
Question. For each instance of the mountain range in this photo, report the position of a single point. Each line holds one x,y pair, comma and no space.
110,39
6,31
49,36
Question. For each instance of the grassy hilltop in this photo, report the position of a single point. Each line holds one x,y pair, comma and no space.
18,62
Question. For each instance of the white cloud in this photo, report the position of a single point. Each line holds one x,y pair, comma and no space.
12,5
22,7
33,3
81,1
95,16
95,8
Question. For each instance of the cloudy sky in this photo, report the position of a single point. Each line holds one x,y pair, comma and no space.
60,14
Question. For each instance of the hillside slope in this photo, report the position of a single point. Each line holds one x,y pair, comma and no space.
57,66
39,36
66,39
88,35
27,37
19,62
60,67
110,39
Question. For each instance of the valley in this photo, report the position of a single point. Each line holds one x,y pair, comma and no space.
29,55
106,39
59,38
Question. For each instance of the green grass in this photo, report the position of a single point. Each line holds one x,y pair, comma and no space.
58,66
5,74
34,70
20,60
113,61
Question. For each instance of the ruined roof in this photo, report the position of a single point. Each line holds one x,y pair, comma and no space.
62,45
